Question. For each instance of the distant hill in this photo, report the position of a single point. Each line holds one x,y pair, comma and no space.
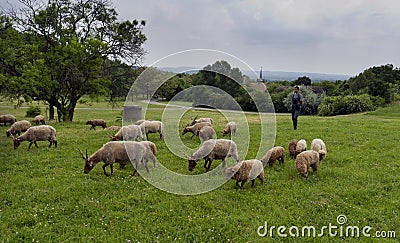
270,75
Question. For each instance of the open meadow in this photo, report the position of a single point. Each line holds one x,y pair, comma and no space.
46,197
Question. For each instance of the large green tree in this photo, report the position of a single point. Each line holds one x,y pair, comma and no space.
73,39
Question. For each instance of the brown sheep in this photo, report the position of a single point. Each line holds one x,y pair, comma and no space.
38,133
18,127
246,170
292,148
7,119
96,123
275,153
307,159
195,128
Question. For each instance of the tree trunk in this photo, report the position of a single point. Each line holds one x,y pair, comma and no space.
51,112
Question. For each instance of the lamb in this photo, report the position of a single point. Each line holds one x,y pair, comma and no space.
18,127
195,128
96,122
306,159
275,153
7,119
206,133
292,148
246,170
230,128
113,128
319,146
152,127
39,119
301,146
127,133
204,119
116,152
213,149
38,133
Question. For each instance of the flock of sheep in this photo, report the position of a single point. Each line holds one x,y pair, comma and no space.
130,144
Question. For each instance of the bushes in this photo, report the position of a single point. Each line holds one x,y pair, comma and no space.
311,101
33,111
342,105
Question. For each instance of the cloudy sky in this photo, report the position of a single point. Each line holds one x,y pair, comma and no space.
341,36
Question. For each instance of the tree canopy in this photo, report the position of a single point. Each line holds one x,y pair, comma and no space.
65,48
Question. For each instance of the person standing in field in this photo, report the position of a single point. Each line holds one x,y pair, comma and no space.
297,101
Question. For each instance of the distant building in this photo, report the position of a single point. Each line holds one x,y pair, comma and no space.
260,78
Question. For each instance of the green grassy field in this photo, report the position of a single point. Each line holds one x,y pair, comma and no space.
46,197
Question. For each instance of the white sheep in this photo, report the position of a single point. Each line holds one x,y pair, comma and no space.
246,170
203,119
39,119
116,152
206,133
301,146
150,154
319,146
18,127
213,149
307,159
152,127
230,128
275,153
38,133
7,119
127,133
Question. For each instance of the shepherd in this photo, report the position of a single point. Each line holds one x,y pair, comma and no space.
297,101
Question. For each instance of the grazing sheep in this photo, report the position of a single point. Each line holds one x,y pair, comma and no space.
113,128
195,128
301,146
127,133
319,146
38,133
246,170
275,153
116,152
151,152
39,119
307,159
152,127
18,127
141,121
292,148
204,119
96,123
230,128
7,119
213,149
206,133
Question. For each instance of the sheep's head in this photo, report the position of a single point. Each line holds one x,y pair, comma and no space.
322,155
192,163
8,133
185,129
89,165
225,132
89,122
17,142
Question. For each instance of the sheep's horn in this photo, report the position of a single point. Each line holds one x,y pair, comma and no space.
87,155
196,117
80,151
184,154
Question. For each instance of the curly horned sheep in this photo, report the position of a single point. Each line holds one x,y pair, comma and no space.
39,119
203,119
18,127
301,146
96,123
38,133
213,149
275,153
307,159
116,152
246,170
230,128
152,127
206,133
319,146
127,133
194,129
292,148
7,119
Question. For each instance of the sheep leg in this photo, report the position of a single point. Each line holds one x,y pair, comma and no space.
237,184
30,144
223,163
135,168
192,136
241,184
314,167
104,169
55,143
36,144
50,143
